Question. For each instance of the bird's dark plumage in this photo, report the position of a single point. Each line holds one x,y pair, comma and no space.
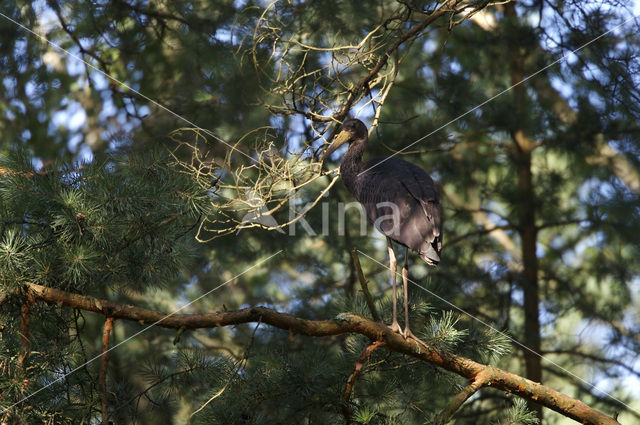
400,199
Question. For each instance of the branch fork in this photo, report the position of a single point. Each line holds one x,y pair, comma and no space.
479,374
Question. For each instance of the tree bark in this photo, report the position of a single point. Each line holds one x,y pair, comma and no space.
528,238
343,323
526,211
108,325
346,395
25,343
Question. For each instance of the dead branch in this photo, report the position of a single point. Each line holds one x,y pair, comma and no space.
25,343
363,83
346,396
343,323
365,286
319,78
108,325
25,320
454,404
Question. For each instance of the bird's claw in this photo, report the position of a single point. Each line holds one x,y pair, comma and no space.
395,327
408,334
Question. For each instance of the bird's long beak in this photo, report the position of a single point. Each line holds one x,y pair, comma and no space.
340,139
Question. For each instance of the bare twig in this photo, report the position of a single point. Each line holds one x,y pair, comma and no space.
108,325
239,364
25,343
346,396
454,404
365,286
319,78
25,320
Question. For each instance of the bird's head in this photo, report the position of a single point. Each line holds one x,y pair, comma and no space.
352,131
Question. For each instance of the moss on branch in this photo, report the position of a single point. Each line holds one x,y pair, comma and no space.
343,323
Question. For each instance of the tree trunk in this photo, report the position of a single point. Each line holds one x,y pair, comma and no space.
526,211
529,281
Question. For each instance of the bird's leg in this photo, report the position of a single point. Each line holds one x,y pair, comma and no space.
405,282
393,266
405,277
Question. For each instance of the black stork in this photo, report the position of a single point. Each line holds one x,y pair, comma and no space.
399,198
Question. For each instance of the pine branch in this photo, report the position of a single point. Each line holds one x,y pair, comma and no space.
108,325
240,364
447,7
25,320
456,402
25,342
366,353
343,323
575,352
365,286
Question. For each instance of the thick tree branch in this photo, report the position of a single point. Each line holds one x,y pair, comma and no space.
618,163
154,13
343,323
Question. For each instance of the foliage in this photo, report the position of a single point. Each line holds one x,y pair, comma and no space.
104,192
518,414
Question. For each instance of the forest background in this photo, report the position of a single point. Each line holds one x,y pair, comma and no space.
170,153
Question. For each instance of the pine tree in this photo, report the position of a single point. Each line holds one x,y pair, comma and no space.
539,183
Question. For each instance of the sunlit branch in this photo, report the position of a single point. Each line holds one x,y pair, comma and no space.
343,323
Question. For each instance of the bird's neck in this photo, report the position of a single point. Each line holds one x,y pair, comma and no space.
352,165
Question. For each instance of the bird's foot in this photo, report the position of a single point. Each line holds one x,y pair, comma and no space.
407,334
395,327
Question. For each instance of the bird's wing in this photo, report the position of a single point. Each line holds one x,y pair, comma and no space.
414,219
423,190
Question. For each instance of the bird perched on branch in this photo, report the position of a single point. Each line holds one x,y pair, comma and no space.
399,198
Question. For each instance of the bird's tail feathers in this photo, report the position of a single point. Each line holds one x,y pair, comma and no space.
430,256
